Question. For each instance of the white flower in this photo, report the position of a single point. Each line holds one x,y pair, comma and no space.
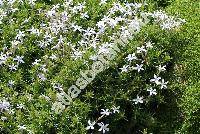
34,31
30,132
138,67
161,68
43,68
76,27
84,15
163,84
91,125
137,5
1,2
159,15
135,24
29,97
32,2
138,100
20,35
141,49
131,57
77,54
5,48
53,57
81,6
112,22
51,13
3,118
115,109
103,127
58,86
103,2
20,106
123,28
124,68
105,112
11,111
20,128
152,91
42,77
14,43
156,79
3,58
101,24
4,105
36,62
19,59
11,83
26,20
13,67
149,45
103,49
126,34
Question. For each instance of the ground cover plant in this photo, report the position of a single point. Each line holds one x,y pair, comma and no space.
150,77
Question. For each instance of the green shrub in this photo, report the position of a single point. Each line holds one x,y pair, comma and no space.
29,90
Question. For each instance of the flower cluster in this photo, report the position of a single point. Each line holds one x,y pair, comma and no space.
138,62
104,113
44,46
4,105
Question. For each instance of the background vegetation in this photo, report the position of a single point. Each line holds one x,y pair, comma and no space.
174,110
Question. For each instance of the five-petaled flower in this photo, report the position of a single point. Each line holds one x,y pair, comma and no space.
124,68
91,125
19,59
131,57
138,100
105,112
152,91
161,68
103,127
163,84
156,79
20,128
138,67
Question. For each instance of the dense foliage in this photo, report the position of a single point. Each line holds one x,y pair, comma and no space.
149,85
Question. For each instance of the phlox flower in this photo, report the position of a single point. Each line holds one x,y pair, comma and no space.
105,112
161,68
152,91
163,84
4,105
156,79
21,128
42,77
11,83
103,127
84,15
141,49
91,125
138,100
13,67
103,2
124,68
149,44
138,67
3,118
19,59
